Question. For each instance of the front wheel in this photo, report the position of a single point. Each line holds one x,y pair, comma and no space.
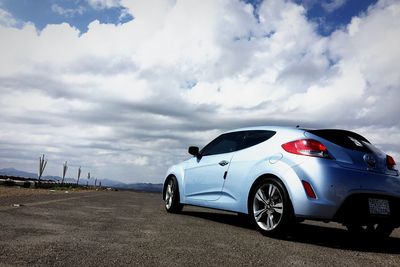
172,202
270,207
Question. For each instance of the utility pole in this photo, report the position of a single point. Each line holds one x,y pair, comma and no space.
42,166
65,168
79,175
95,182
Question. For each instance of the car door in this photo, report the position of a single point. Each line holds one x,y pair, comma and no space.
243,162
205,175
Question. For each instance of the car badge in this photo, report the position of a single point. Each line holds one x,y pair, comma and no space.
370,160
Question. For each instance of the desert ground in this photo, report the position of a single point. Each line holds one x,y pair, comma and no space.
100,228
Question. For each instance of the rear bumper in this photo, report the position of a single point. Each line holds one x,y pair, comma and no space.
342,192
356,208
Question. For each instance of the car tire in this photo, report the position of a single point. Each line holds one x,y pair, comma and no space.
270,207
377,230
171,196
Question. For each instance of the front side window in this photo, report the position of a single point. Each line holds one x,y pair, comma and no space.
234,141
224,143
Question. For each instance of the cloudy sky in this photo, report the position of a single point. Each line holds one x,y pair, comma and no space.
123,87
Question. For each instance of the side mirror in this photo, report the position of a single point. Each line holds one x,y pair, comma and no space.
193,150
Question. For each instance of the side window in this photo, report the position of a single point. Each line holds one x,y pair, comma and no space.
231,142
224,143
252,138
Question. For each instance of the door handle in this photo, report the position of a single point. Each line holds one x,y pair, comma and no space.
223,163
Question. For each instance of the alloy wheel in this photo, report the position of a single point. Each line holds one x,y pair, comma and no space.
268,207
169,194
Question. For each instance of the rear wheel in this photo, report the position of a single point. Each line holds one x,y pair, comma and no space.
172,202
377,230
270,207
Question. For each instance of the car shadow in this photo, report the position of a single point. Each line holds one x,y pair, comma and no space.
342,239
312,234
226,218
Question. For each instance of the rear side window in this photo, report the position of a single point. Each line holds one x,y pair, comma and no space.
343,138
252,138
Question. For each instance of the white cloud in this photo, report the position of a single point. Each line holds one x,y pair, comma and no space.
67,12
117,96
332,5
139,161
6,19
328,5
103,4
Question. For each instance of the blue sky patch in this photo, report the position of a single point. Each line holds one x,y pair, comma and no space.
189,84
329,15
77,13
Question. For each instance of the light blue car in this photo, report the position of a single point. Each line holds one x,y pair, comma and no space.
281,175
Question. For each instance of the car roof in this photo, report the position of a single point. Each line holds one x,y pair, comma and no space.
267,128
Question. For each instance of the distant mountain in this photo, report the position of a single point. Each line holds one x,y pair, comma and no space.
107,182
17,173
147,187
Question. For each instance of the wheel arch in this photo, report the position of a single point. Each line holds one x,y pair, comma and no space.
165,184
176,171
270,176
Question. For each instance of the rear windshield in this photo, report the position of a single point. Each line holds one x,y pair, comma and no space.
343,138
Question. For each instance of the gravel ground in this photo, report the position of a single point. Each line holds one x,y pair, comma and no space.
8,192
129,228
19,195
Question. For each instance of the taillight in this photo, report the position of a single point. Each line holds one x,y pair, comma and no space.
307,147
390,162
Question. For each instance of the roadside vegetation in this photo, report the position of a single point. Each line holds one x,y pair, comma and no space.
8,181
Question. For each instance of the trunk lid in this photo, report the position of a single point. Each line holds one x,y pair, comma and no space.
352,150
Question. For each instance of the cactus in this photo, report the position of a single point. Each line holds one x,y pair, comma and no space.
65,168
79,175
42,166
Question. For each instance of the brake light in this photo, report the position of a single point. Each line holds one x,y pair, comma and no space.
390,162
307,147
